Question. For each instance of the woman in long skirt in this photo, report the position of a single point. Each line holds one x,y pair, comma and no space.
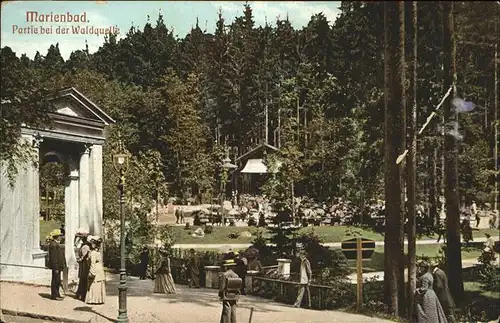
429,309
164,283
96,293
83,270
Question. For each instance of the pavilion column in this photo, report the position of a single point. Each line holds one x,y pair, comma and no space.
96,190
34,177
84,186
71,206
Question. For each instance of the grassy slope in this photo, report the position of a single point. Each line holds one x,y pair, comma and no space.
326,234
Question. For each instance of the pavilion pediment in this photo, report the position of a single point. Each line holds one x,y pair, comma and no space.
75,119
70,109
70,102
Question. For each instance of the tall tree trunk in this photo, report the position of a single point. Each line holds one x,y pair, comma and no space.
394,145
412,166
266,122
433,187
495,117
453,250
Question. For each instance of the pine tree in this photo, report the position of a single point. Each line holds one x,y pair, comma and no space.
394,146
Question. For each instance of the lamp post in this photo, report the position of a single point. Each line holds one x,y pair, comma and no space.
120,162
226,166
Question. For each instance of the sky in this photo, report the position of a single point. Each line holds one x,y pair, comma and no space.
19,34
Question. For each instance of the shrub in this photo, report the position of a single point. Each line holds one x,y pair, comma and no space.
209,229
252,222
489,273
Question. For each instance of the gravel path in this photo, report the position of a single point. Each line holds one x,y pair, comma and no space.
187,306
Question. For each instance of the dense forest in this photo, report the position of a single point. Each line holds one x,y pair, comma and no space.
179,101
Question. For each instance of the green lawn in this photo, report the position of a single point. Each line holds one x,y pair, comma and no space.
326,234
221,234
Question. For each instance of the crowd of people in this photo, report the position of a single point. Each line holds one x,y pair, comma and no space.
92,287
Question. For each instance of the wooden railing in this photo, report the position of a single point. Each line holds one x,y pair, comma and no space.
281,291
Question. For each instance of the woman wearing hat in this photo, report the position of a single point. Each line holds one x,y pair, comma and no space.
96,292
164,283
429,309
83,267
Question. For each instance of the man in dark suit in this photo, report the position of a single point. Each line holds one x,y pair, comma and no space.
57,262
443,293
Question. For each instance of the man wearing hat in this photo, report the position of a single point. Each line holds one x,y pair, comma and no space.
442,291
229,291
57,262
305,278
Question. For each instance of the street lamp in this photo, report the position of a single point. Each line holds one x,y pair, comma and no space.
120,162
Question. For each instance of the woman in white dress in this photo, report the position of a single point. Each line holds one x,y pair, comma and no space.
96,293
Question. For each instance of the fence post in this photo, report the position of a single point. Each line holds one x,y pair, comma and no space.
249,281
359,270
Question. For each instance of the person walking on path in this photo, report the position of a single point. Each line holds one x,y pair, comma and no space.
96,292
443,292
164,283
83,269
229,291
305,279
489,246
57,263
467,232
144,263
475,213
441,230
428,307
194,269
